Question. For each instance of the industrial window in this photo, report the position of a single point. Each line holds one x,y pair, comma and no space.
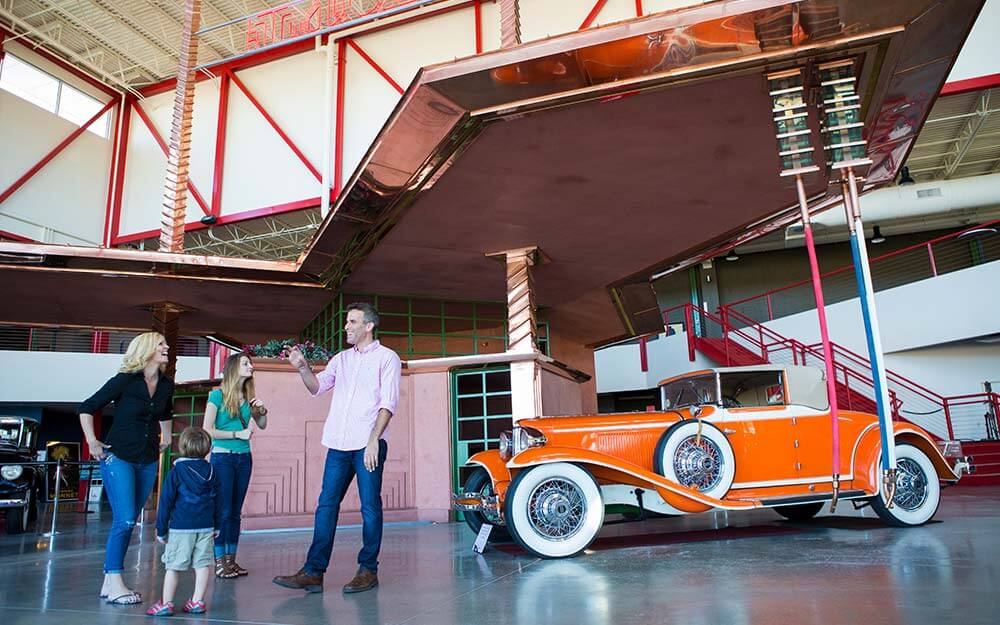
48,92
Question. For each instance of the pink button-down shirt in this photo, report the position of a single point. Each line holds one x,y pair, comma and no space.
363,382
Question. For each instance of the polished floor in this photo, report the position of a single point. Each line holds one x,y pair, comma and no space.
705,569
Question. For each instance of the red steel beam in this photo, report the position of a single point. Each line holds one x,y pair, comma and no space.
638,8
16,237
163,146
220,145
593,14
115,155
338,147
479,27
281,133
375,66
53,153
122,148
290,49
227,219
971,84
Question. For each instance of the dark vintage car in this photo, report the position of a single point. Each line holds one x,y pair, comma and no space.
21,484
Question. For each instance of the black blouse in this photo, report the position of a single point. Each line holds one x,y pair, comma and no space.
135,432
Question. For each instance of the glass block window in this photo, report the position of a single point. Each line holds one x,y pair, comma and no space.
418,327
481,410
189,409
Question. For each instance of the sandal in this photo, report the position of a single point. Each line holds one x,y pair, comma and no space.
223,570
129,598
239,569
195,607
161,609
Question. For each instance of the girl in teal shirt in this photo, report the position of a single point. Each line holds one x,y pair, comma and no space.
227,419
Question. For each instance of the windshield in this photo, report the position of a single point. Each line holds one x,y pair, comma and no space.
10,433
691,391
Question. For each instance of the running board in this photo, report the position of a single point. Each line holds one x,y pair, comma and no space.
800,499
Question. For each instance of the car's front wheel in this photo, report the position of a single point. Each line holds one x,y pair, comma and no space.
18,518
918,491
480,482
554,510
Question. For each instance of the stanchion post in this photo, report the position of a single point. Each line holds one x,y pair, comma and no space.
55,503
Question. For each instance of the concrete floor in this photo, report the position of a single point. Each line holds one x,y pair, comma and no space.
711,569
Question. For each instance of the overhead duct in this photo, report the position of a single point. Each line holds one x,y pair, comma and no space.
910,208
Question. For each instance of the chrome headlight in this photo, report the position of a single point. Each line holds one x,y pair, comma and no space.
525,437
11,471
506,448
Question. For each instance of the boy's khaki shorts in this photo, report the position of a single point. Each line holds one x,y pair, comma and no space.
186,550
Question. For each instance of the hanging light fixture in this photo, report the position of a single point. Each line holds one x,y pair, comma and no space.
731,255
905,179
877,236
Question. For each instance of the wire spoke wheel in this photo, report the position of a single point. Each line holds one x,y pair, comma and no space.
696,454
556,509
698,464
911,485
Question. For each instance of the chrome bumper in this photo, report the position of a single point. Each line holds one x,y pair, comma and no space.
12,503
964,466
475,502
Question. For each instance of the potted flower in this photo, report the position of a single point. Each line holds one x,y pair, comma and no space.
277,349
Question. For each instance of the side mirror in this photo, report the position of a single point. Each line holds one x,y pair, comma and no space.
696,411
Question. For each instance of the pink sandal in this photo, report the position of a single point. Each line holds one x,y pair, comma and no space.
195,607
161,609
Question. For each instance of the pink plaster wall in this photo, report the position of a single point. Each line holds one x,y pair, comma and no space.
289,455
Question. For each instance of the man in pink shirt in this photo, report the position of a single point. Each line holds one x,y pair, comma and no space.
365,383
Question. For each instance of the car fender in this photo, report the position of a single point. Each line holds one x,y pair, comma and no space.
495,466
614,470
868,453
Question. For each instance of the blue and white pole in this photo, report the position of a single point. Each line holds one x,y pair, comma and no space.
866,296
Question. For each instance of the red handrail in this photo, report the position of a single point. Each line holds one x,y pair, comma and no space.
850,369
839,270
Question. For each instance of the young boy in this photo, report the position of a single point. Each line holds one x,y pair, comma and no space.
191,510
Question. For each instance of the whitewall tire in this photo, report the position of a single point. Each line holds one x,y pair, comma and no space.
706,463
918,489
554,510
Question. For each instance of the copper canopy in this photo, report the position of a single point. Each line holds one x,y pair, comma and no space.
619,151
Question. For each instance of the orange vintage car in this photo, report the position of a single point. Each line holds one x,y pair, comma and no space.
736,438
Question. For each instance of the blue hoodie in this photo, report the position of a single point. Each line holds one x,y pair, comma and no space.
189,501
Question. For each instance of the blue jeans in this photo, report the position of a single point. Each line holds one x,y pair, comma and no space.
233,472
340,469
127,485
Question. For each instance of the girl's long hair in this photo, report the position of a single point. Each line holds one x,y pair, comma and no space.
140,350
231,387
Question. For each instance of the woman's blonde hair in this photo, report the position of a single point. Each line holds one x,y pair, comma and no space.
231,386
140,350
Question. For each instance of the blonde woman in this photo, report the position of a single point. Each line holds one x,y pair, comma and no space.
227,419
143,398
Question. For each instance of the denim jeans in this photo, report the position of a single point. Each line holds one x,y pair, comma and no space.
340,469
127,485
233,472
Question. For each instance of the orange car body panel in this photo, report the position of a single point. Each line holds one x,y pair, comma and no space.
780,451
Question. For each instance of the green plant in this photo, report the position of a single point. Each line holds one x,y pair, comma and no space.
276,348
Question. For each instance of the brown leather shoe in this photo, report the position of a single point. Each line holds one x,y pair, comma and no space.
363,580
301,580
